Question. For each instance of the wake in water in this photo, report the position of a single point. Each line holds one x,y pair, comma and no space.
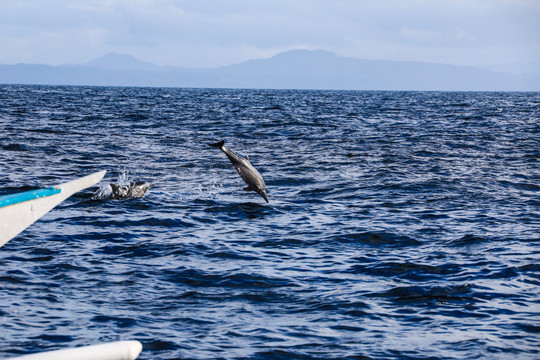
126,187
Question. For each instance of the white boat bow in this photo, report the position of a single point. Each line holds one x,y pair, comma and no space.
18,211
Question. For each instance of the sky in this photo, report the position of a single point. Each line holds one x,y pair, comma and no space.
501,35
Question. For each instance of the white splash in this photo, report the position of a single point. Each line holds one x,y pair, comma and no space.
105,190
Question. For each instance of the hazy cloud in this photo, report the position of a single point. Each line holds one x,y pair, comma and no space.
488,33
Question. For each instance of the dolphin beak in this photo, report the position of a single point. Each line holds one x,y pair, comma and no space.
265,198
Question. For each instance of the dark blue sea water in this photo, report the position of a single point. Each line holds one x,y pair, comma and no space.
401,225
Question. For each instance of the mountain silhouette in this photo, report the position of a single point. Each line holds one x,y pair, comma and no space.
295,69
113,61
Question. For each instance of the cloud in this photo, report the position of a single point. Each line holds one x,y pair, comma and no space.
220,32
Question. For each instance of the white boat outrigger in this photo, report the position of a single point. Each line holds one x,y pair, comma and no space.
120,350
19,211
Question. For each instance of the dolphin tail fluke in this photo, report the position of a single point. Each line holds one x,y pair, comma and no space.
218,145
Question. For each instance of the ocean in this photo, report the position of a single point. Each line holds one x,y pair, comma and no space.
401,225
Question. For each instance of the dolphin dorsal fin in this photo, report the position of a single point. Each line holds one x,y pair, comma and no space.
247,157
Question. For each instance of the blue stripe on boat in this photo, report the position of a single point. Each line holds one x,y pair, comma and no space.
27,195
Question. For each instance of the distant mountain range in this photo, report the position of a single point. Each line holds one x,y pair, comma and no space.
295,69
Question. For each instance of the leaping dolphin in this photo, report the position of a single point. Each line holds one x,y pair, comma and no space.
134,189
246,171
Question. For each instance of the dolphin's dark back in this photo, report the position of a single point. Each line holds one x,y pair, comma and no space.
235,158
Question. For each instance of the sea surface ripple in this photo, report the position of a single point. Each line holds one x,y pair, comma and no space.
401,225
